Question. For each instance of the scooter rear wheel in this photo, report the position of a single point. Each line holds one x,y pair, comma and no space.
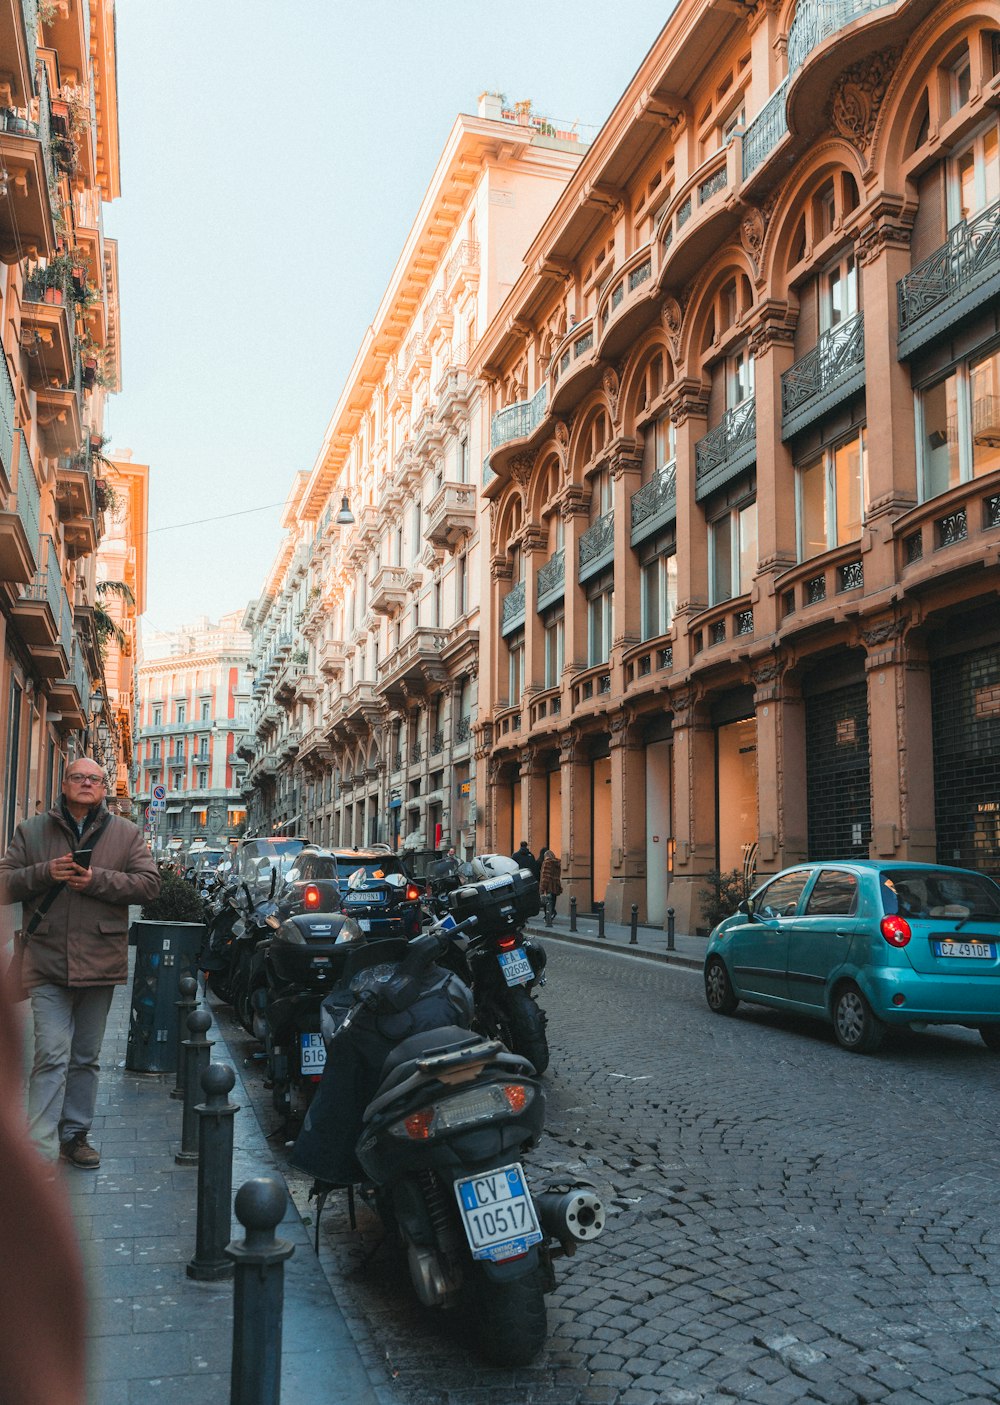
509,1316
526,1022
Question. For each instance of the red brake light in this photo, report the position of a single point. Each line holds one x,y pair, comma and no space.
412,892
517,1095
418,1124
506,943
896,930
311,896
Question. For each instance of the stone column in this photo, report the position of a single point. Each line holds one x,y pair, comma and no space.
694,808
890,432
899,720
690,414
628,822
574,504
534,544
771,342
626,475
781,769
534,801
575,867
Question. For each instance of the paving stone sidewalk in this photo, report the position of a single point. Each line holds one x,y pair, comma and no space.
156,1336
652,942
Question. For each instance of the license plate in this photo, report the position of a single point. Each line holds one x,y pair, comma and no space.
979,951
373,897
515,966
312,1053
498,1214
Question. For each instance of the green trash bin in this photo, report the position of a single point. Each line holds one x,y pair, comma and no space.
164,952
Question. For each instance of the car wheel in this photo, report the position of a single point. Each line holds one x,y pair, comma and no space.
719,993
990,1035
857,1028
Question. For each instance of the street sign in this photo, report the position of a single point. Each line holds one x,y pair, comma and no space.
159,792
148,812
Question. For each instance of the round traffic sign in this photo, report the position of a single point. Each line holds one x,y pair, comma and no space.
159,792
148,812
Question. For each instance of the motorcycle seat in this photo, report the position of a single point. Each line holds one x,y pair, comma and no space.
402,1069
438,1041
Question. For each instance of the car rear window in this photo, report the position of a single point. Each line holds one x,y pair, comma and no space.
374,868
933,892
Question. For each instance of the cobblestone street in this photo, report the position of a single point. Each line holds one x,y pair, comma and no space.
788,1222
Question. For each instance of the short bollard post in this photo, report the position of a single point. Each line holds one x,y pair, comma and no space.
633,938
215,1175
600,919
572,914
188,1002
670,929
258,1294
198,1053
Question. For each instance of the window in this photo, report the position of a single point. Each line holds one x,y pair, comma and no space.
781,898
732,553
600,494
202,780
203,747
838,292
555,646
834,894
155,753
437,605
158,716
739,380
206,710
463,460
974,177
831,497
181,713
959,426
659,595
515,670
461,585
397,547
600,622
960,83
736,121
179,781
179,748
154,778
659,449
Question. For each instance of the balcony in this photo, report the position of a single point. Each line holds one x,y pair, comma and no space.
729,620
70,695
550,583
389,589
362,705
822,580
950,535
18,24
596,548
518,421
331,657
573,370
8,434
959,278
47,330
626,291
726,450
654,506
512,613
591,688
60,410
288,746
19,525
451,514
462,269
701,215
44,619
27,226
545,707
765,131
830,373
818,20
76,506
414,664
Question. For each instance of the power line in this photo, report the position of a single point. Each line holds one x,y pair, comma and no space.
200,521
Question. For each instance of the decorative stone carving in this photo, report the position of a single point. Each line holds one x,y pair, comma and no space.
883,632
612,389
671,320
752,229
859,95
521,466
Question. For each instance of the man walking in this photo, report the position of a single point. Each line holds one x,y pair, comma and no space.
76,925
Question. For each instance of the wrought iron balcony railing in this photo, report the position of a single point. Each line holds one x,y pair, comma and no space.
727,449
816,20
518,421
597,547
6,419
655,504
765,131
551,584
826,375
513,609
957,278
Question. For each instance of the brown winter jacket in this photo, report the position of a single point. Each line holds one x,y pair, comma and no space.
83,938
550,875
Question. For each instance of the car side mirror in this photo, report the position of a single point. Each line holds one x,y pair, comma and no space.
746,907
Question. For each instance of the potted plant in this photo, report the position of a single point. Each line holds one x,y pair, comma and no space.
168,939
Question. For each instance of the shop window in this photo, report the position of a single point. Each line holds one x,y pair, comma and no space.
732,552
830,498
974,175
959,426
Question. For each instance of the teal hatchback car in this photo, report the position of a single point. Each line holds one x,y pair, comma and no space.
865,945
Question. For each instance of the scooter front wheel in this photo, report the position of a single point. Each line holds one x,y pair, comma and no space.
509,1316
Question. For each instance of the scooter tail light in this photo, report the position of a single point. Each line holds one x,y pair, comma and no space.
507,943
895,930
517,1095
311,896
473,1108
418,1124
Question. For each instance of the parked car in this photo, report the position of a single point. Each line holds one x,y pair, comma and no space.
311,884
378,892
865,945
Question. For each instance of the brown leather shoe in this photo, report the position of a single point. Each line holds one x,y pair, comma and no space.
78,1152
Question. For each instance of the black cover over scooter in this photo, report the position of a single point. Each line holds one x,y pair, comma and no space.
325,1145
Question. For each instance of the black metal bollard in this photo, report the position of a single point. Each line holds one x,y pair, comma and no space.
215,1175
189,1001
198,1053
258,1295
572,914
670,929
600,919
633,938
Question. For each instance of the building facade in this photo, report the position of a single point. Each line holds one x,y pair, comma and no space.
193,711
366,636
60,359
743,483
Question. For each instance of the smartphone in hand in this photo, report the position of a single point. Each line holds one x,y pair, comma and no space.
82,857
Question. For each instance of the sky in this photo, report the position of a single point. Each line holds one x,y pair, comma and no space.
273,158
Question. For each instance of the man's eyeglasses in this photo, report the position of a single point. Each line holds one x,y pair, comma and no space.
86,780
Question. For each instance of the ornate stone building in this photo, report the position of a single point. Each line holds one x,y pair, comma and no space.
366,636
743,478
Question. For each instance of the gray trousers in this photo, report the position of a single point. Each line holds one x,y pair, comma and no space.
62,1090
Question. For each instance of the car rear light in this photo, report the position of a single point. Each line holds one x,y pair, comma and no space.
507,943
896,930
413,892
311,896
469,1109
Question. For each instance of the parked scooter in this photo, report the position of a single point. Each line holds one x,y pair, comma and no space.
441,1117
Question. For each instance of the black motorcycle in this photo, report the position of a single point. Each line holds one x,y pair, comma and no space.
432,1119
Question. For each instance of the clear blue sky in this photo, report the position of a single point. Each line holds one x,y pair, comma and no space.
273,159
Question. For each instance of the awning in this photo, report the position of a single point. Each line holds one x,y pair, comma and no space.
236,809
174,809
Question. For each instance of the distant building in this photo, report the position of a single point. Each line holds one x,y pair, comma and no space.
193,708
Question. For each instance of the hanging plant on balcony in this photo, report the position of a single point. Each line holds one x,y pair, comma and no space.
105,626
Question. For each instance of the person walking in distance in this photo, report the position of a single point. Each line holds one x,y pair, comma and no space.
549,885
76,869
526,858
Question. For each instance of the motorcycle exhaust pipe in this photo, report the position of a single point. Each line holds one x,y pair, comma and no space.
572,1213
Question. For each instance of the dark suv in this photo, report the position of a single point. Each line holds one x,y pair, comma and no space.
377,891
